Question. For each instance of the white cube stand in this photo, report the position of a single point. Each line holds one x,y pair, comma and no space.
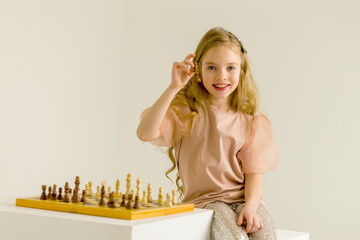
27,223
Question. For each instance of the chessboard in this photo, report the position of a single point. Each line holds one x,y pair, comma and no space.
113,204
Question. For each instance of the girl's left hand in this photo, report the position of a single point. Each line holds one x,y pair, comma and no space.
253,220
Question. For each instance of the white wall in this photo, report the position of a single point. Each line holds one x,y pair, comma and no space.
75,75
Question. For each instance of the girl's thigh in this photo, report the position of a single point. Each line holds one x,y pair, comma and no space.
224,225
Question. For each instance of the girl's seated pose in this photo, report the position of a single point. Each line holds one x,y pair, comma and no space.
209,117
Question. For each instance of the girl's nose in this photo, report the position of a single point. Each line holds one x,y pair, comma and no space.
221,74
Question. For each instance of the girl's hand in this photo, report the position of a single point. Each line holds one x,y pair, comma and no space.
253,220
182,72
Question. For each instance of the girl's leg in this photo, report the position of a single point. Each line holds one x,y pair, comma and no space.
268,231
224,226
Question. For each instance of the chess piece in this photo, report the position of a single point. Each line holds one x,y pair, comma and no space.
43,194
117,187
90,190
111,202
98,193
149,199
49,193
132,194
86,190
66,196
83,199
144,200
138,182
54,193
107,195
75,197
128,203
60,194
136,204
161,196
128,184
168,200
102,201
173,200
77,183
123,202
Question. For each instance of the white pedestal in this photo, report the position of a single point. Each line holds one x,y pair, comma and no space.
27,223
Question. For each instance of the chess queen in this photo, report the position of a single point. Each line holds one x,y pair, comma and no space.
218,140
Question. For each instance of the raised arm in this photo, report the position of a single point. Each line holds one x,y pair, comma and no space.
149,127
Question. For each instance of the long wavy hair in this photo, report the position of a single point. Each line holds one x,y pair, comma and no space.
194,95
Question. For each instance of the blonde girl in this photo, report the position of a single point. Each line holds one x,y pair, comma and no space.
208,117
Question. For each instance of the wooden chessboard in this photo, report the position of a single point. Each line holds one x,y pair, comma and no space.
91,207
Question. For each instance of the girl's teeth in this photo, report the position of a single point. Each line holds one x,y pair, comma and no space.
220,86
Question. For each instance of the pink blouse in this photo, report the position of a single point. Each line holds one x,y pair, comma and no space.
221,147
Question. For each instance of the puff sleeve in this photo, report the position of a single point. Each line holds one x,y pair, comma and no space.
259,154
167,136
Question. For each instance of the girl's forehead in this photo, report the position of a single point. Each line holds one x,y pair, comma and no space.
223,53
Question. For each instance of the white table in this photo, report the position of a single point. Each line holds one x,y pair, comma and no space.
27,223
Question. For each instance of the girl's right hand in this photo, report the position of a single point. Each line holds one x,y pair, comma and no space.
182,72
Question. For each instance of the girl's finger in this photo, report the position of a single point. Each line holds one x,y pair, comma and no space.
249,226
189,62
190,56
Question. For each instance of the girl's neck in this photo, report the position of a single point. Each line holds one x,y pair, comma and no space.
220,104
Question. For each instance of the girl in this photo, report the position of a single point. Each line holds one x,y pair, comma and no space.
208,115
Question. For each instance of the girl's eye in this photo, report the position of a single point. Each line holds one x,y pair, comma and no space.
211,67
231,68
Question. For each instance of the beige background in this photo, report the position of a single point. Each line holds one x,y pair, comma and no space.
75,76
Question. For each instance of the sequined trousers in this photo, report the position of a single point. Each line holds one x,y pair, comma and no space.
224,225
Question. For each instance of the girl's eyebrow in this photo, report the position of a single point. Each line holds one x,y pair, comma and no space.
211,63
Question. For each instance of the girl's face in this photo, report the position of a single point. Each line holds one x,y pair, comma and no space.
220,72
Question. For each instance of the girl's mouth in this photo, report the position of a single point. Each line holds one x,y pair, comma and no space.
221,87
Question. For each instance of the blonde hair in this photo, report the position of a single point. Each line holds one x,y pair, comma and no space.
194,95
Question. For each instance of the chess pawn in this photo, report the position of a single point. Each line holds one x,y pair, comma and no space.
60,194
98,193
83,199
123,202
86,190
128,203
43,194
149,199
173,200
132,194
136,204
109,191
49,193
168,200
161,196
66,196
54,193
144,200
90,189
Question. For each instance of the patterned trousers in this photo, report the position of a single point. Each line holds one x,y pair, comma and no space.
224,225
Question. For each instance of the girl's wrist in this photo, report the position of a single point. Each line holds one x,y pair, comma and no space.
173,88
252,205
